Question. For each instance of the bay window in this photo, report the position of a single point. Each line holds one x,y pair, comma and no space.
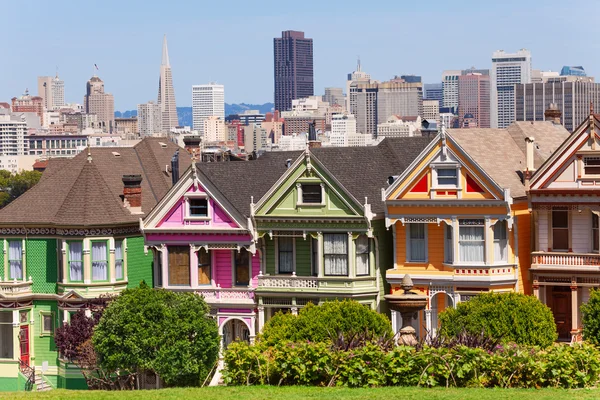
500,242
15,259
99,261
560,229
204,267
75,261
362,255
242,268
335,254
471,240
285,257
417,247
119,261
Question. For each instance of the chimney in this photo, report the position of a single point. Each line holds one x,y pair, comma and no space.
132,193
529,143
175,167
552,113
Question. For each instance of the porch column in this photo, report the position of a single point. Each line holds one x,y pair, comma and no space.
261,318
536,290
194,263
16,344
294,310
394,321
320,255
574,308
87,261
165,265
111,260
428,323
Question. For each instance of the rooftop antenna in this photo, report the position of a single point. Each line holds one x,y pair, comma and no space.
358,64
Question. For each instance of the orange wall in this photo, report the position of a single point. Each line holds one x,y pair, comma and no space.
523,220
435,245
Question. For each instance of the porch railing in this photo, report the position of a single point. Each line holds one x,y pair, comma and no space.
15,287
284,282
216,295
565,259
29,372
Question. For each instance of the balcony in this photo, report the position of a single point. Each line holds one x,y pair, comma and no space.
220,295
555,260
311,284
15,288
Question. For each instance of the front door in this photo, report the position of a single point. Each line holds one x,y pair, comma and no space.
24,343
560,304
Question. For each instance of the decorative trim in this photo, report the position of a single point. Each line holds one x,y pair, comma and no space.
70,232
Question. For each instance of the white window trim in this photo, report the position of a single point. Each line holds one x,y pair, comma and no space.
434,176
486,244
494,242
209,211
293,256
6,277
369,261
299,190
453,242
408,255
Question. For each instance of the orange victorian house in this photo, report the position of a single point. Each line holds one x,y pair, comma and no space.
459,215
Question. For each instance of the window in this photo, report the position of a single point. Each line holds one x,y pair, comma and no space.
362,255
595,238
416,243
99,261
76,261
198,207
118,259
47,322
560,229
311,194
315,257
447,176
285,249
591,165
242,268
448,245
179,265
204,267
6,334
15,259
500,242
335,254
471,240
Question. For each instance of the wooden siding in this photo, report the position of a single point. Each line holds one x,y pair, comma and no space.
270,256
435,248
303,256
542,231
223,268
581,231
523,224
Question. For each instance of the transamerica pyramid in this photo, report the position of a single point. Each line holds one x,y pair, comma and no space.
166,94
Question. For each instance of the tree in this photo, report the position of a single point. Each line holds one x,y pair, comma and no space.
326,322
513,317
14,185
591,318
167,333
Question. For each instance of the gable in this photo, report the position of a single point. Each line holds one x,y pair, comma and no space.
307,190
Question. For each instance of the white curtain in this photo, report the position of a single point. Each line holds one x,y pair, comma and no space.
500,242
286,254
118,259
417,242
471,243
15,257
99,261
362,255
448,245
335,249
75,261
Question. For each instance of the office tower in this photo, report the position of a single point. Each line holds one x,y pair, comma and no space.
357,76
431,110
572,71
102,104
508,70
450,89
334,96
12,135
571,94
52,91
342,127
149,119
58,92
27,103
293,65
166,93
474,100
434,91
207,100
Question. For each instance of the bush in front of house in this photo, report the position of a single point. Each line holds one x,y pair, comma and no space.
319,364
325,323
513,317
591,318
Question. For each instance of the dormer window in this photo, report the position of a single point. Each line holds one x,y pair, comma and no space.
198,207
447,177
591,165
311,194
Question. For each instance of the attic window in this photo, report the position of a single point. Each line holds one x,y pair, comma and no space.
591,165
447,176
163,145
114,153
311,194
198,207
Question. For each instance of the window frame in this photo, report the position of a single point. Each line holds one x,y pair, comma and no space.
278,255
498,241
409,239
449,244
210,265
300,189
553,228
483,240
122,278
194,196
367,253
43,331
325,255
583,163
235,255
193,207
105,241
447,185
21,260
595,233
69,261
10,334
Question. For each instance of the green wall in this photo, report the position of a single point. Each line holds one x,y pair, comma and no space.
139,264
386,258
42,264
2,258
303,256
9,384
270,257
44,346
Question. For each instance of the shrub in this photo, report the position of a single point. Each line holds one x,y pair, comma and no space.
326,322
591,318
513,317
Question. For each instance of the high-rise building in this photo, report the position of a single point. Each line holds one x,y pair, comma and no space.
571,95
214,129
508,70
207,101
334,95
29,104
12,135
572,71
293,65
342,127
52,91
431,110
357,76
434,91
474,100
450,89
102,104
150,119
166,93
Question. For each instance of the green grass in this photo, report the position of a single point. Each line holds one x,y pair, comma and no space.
301,393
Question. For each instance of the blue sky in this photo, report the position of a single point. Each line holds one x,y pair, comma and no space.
231,42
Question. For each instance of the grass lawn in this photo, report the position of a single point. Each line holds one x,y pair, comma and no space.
300,393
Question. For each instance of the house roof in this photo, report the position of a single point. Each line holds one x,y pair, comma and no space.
547,134
78,192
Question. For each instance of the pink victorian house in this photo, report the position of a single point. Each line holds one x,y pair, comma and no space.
203,244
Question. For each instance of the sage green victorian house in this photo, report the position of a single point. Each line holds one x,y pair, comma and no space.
321,227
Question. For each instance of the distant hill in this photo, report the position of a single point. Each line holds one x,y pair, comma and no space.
184,114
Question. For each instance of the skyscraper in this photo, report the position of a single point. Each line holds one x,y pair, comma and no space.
293,68
58,92
474,99
450,89
149,118
166,94
334,95
52,90
207,101
434,91
357,76
97,102
508,70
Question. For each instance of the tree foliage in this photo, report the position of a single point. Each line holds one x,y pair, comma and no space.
326,322
14,185
168,333
514,317
591,318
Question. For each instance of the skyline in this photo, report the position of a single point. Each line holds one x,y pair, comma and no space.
124,40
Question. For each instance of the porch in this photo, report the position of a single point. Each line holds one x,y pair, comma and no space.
313,284
559,260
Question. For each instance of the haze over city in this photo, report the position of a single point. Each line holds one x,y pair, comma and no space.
232,42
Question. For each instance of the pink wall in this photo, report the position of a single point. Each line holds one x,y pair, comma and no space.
224,268
185,238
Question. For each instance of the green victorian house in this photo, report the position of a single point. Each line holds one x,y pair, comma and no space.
72,237
321,227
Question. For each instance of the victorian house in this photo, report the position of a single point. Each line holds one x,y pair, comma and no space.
460,219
